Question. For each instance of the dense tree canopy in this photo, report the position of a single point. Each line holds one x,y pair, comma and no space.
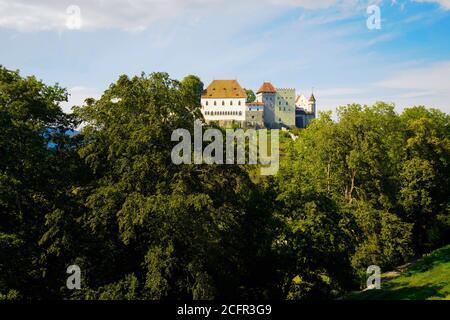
371,187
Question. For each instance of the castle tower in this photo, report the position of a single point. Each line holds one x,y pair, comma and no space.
312,104
267,95
285,108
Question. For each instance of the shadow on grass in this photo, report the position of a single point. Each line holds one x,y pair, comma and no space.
437,257
402,293
420,282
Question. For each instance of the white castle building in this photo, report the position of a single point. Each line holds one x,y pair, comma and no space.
225,101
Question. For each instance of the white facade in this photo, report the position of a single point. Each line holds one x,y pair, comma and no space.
302,103
224,101
223,109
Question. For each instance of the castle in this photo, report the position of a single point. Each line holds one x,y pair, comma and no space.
225,102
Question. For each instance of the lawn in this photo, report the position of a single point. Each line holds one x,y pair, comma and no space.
429,279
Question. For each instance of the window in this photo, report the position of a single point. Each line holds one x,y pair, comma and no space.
239,103
215,103
223,102
206,102
240,113
231,102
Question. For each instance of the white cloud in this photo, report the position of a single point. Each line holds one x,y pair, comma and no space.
444,4
338,92
132,15
432,78
77,95
425,85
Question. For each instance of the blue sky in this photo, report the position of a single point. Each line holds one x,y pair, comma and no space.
324,44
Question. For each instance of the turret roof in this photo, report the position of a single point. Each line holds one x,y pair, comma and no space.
267,87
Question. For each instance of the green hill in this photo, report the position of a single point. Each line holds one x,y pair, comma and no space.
429,279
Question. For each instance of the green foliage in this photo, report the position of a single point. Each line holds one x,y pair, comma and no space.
369,188
251,97
387,179
385,240
175,226
428,279
35,183
194,85
425,182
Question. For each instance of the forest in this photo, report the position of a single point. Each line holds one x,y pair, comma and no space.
367,186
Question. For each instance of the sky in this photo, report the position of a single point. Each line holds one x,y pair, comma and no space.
337,48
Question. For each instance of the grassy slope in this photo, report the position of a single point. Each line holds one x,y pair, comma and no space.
428,279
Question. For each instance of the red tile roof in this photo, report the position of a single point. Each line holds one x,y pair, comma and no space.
224,89
267,87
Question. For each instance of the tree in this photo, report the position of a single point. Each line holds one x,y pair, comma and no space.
175,230
342,177
425,182
251,97
194,85
35,184
368,188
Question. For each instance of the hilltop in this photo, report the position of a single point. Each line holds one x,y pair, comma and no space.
428,279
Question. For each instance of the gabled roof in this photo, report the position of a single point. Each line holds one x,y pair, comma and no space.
267,87
224,89
301,98
312,98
